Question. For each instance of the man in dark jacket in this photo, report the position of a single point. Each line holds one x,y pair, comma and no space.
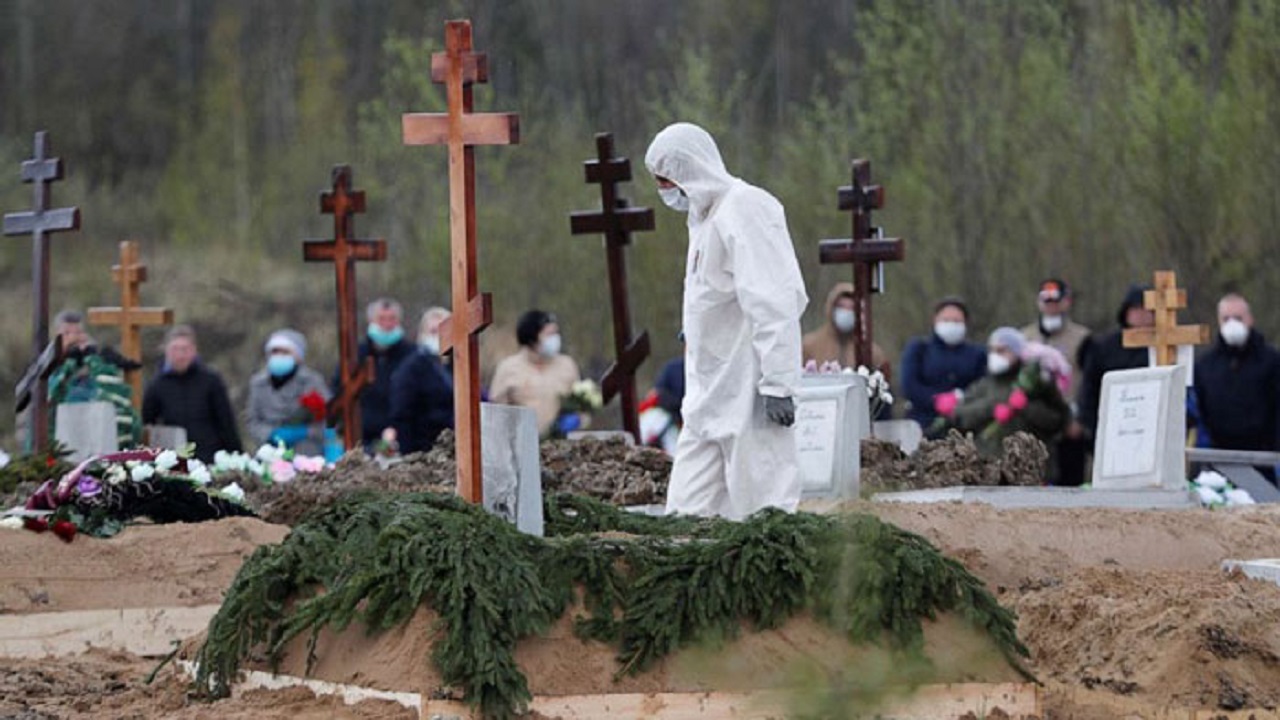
1103,354
422,390
942,363
385,341
191,396
1237,383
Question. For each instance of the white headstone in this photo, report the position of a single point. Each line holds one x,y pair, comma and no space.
86,429
832,416
1142,429
512,470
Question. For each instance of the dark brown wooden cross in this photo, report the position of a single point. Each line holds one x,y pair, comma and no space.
129,317
617,221
458,69
344,251
864,251
1165,300
39,222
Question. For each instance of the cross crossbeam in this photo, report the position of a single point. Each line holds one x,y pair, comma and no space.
129,316
1165,299
458,68
864,251
40,222
616,221
344,251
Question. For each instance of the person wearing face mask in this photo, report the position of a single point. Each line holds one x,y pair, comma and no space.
386,343
743,299
936,369
1013,396
421,391
1105,353
1237,383
835,340
275,391
539,374
1056,329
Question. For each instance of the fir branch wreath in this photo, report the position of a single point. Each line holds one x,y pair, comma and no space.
649,585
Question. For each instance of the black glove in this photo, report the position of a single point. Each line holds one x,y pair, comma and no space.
781,410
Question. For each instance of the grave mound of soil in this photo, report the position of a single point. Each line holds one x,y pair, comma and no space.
950,461
609,470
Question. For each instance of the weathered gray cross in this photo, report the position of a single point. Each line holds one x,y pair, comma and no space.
40,222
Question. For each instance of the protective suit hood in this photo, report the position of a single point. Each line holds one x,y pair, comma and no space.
687,155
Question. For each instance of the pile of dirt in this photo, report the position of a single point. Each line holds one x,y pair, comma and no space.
950,461
144,566
608,469
1125,611
104,685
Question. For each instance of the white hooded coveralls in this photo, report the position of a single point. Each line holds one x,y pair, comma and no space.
743,297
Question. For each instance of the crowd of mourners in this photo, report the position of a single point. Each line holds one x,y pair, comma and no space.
1044,378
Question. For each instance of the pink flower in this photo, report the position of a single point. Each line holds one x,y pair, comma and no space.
1003,413
811,367
1017,399
282,471
303,463
945,403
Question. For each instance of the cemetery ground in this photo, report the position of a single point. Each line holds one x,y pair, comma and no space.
1125,613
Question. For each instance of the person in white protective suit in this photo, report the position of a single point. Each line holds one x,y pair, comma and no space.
743,297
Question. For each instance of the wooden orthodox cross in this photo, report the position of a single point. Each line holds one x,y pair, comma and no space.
1165,300
617,221
39,222
458,69
344,251
866,252
129,317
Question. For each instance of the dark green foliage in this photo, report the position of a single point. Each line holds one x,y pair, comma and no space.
649,585
34,468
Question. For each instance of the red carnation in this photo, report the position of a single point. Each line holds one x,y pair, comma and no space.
65,529
314,403
36,524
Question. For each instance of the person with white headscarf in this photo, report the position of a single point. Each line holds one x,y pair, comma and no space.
276,391
743,298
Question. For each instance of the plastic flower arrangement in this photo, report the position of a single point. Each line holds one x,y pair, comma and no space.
879,395
576,407
98,496
1215,491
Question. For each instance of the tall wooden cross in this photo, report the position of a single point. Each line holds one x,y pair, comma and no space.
1165,300
458,69
129,274
866,252
344,251
39,222
617,221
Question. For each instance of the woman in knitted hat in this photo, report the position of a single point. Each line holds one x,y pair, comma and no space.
1013,396
276,392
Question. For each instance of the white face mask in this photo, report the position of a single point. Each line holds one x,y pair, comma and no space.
1234,332
675,198
998,364
949,331
430,343
1051,323
844,319
549,346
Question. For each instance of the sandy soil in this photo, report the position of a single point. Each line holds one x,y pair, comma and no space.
1124,612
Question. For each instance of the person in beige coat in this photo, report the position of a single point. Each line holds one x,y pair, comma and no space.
835,339
539,374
